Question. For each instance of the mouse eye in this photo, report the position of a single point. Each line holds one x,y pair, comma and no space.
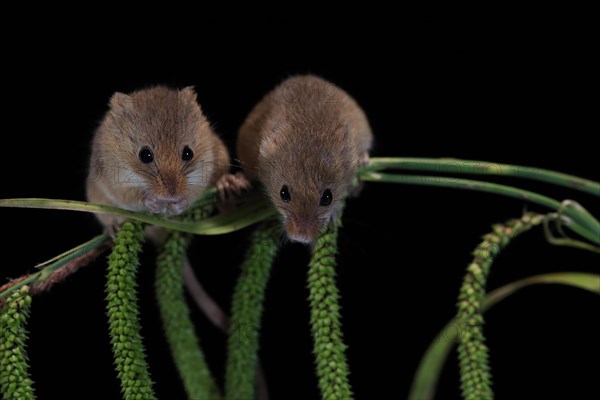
326,197
285,194
187,154
146,155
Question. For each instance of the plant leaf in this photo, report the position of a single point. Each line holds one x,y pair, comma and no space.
471,167
589,227
243,216
427,375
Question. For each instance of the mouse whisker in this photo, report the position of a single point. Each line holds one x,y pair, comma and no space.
144,173
198,177
195,191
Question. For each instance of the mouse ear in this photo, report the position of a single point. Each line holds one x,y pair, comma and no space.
270,143
189,93
119,100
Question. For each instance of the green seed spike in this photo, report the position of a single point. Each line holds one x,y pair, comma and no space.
246,313
15,383
175,315
331,365
123,313
472,351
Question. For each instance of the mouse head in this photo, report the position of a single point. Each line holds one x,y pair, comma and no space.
162,146
306,181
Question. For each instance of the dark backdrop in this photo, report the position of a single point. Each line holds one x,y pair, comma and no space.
513,95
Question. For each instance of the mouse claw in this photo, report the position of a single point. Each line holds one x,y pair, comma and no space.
111,230
113,224
363,159
229,185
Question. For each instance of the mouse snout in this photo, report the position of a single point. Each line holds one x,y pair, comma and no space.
170,184
166,204
303,229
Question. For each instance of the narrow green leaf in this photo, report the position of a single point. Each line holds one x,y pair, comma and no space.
57,262
471,167
427,375
243,216
589,227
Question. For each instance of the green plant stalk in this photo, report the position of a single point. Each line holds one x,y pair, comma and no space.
470,167
472,350
57,262
123,313
427,375
589,226
577,228
326,327
564,241
247,306
257,211
15,383
243,216
178,326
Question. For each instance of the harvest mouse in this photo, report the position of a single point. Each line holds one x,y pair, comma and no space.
154,151
303,142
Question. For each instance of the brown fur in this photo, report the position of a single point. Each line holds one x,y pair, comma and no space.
309,135
166,121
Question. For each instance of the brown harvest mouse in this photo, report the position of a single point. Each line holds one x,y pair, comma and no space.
303,142
154,151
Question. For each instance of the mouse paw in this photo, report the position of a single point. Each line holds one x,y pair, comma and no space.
229,185
112,229
363,159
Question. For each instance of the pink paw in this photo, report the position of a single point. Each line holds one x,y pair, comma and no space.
229,185
363,159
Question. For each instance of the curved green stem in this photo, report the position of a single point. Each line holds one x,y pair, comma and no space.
590,227
56,263
564,240
247,306
326,327
427,375
470,167
15,383
473,353
243,216
123,313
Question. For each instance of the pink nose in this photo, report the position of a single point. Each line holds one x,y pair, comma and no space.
165,204
304,229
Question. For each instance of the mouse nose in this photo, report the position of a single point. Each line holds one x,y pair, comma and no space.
303,229
170,182
166,204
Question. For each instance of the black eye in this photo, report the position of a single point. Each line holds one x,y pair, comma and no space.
146,155
187,154
326,197
285,194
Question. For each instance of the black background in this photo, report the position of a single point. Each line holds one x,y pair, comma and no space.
509,94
